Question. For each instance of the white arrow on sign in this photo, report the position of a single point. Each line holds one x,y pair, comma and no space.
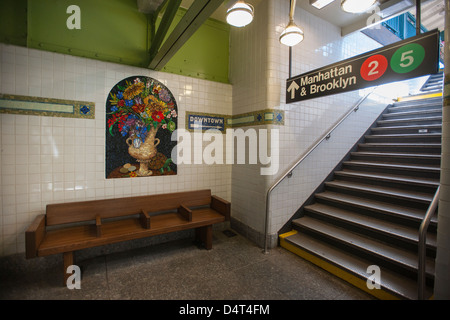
292,88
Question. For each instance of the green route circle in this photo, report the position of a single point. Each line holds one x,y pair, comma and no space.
408,58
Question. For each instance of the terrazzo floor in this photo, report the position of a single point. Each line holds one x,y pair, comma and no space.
235,269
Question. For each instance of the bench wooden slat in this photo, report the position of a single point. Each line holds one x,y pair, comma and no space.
81,237
63,213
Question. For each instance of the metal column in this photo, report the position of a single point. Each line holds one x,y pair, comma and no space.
442,279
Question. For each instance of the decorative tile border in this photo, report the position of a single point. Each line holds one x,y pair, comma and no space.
48,107
205,121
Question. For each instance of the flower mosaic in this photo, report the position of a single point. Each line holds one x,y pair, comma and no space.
141,115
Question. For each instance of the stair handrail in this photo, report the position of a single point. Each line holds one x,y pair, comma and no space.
422,244
289,172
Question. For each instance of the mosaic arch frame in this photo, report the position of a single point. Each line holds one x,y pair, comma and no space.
141,115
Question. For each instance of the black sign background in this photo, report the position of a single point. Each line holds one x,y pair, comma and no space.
429,41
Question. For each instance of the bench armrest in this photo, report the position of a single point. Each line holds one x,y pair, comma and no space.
34,235
222,206
185,212
145,219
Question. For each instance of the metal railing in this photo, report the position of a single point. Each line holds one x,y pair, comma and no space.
289,172
422,244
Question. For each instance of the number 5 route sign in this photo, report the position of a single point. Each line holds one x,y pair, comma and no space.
407,59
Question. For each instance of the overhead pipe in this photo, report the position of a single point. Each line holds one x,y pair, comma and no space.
418,17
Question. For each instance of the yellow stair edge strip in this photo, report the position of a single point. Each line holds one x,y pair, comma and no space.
419,97
344,275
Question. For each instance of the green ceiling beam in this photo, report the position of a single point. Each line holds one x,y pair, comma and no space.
197,14
166,21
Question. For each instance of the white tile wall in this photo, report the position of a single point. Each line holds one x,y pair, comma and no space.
48,159
305,121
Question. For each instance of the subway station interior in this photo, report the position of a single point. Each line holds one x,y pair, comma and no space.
225,150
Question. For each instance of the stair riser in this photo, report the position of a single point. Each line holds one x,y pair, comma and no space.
387,198
404,139
409,122
412,114
398,160
431,189
400,149
432,88
406,130
398,171
412,103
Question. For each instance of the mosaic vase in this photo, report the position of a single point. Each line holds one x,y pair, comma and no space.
143,152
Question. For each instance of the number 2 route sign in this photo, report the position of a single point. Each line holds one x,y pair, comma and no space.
407,59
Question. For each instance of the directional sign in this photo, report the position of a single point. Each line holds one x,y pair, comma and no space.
410,58
292,88
205,122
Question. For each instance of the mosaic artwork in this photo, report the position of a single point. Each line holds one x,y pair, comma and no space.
141,115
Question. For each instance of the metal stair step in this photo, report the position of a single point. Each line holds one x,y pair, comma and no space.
395,193
374,206
364,222
397,285
402,167
427,128
401,258
398,155
417,158
421,182
423,120
424,105
412,113
418,102
422,137
402,147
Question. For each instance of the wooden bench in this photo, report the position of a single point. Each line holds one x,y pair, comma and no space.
68,227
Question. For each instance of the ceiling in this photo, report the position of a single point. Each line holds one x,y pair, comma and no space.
432,13
432,16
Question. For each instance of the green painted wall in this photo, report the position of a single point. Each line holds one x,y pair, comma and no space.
112,30
205,54
13,22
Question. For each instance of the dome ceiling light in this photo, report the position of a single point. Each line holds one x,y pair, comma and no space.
319,4
357,6
292,35
240,14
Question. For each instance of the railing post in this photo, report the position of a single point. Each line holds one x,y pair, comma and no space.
423,245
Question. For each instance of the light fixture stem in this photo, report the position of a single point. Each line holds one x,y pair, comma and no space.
292,10
290,62
418,17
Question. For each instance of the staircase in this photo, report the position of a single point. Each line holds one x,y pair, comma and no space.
370,213
434,83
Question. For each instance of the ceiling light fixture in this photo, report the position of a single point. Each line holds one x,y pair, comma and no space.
240,14
357,6
292,35
319,4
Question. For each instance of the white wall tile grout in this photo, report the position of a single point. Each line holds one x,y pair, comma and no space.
51,159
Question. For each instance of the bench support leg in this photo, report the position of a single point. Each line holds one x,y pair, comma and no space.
204,235
68,261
